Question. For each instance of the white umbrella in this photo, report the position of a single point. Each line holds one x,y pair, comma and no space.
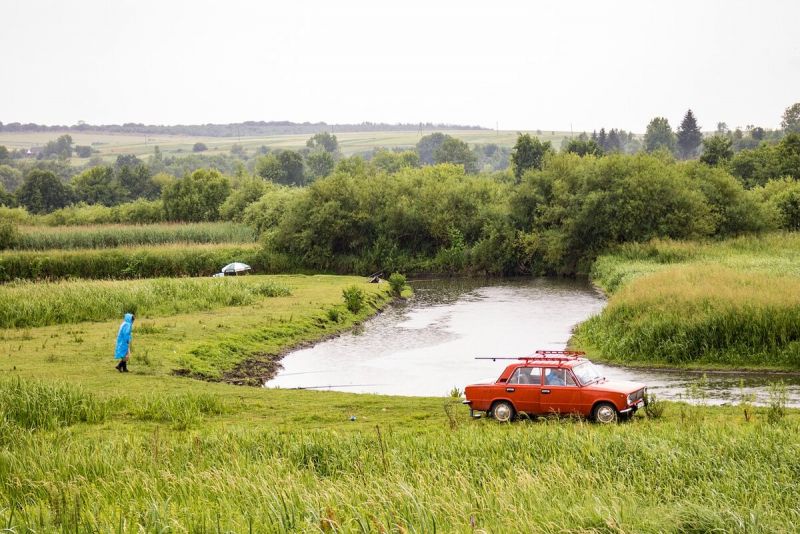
236,268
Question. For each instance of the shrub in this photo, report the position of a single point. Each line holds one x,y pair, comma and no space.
353,298
778,398
9,235
397,282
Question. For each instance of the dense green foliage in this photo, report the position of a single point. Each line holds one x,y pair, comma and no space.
110,236
197,197
43,192
127,262
733,303
659,136
32,304
556,220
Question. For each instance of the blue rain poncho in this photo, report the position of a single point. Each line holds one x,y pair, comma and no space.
124,337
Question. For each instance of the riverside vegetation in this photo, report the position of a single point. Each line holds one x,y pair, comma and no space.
733,303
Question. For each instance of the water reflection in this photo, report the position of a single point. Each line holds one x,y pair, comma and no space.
427,346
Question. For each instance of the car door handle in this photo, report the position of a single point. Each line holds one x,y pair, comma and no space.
545,392
510,390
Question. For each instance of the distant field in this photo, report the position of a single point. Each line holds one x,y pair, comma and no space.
111,145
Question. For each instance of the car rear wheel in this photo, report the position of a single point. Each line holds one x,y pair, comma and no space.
605,413
503,411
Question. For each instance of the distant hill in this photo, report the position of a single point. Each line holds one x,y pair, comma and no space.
246,128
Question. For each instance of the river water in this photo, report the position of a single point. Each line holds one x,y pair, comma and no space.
428,345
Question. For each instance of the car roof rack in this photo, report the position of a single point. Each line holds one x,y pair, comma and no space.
558,355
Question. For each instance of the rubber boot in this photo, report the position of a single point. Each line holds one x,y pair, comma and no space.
124,366
119,366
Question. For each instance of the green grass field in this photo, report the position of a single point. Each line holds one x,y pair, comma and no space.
176,446
109,146
734,303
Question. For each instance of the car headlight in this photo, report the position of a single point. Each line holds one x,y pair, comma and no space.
630,399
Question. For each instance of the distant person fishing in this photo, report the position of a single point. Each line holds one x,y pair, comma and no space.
123,350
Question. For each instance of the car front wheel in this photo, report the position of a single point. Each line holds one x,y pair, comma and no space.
503,411
605,413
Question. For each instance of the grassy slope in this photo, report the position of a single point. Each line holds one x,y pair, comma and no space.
734,303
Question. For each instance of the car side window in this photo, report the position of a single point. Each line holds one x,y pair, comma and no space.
558,377
526,375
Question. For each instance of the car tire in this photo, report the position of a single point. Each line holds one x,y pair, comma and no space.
605,413
503,411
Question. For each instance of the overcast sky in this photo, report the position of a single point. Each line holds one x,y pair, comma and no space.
519,65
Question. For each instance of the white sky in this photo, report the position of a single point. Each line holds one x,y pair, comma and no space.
520,64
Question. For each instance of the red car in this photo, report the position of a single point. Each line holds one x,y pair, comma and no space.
554,382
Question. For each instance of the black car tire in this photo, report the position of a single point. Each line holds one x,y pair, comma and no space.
605,413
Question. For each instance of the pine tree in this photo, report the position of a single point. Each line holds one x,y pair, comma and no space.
614,143
689,136
602,139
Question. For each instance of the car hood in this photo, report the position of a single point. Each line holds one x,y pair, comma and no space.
617,386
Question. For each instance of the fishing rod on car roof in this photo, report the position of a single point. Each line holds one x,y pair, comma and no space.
540,355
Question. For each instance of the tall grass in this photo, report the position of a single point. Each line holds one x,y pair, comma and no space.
32,304
111,235
732,303
38,405
650,476
127,262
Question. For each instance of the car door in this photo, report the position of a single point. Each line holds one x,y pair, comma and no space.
524,389
559,392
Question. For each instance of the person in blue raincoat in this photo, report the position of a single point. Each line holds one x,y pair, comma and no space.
123,350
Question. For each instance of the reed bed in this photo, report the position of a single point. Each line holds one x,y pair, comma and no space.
34,304
120,235
734,303
647,476
127,262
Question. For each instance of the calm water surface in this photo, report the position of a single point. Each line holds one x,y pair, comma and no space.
428,345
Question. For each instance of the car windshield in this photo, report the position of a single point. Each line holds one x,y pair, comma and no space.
586,373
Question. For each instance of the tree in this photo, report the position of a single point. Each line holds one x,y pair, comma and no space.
61,147
659,135
320,164
791,119
135,179
4,154
10,178
717,150
325,141
83,151
197,197
269,168
689,136
528,153
602,139
584,147
428,145
614,144
43,192
199,147
292,163
98,185
392,162
454,150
